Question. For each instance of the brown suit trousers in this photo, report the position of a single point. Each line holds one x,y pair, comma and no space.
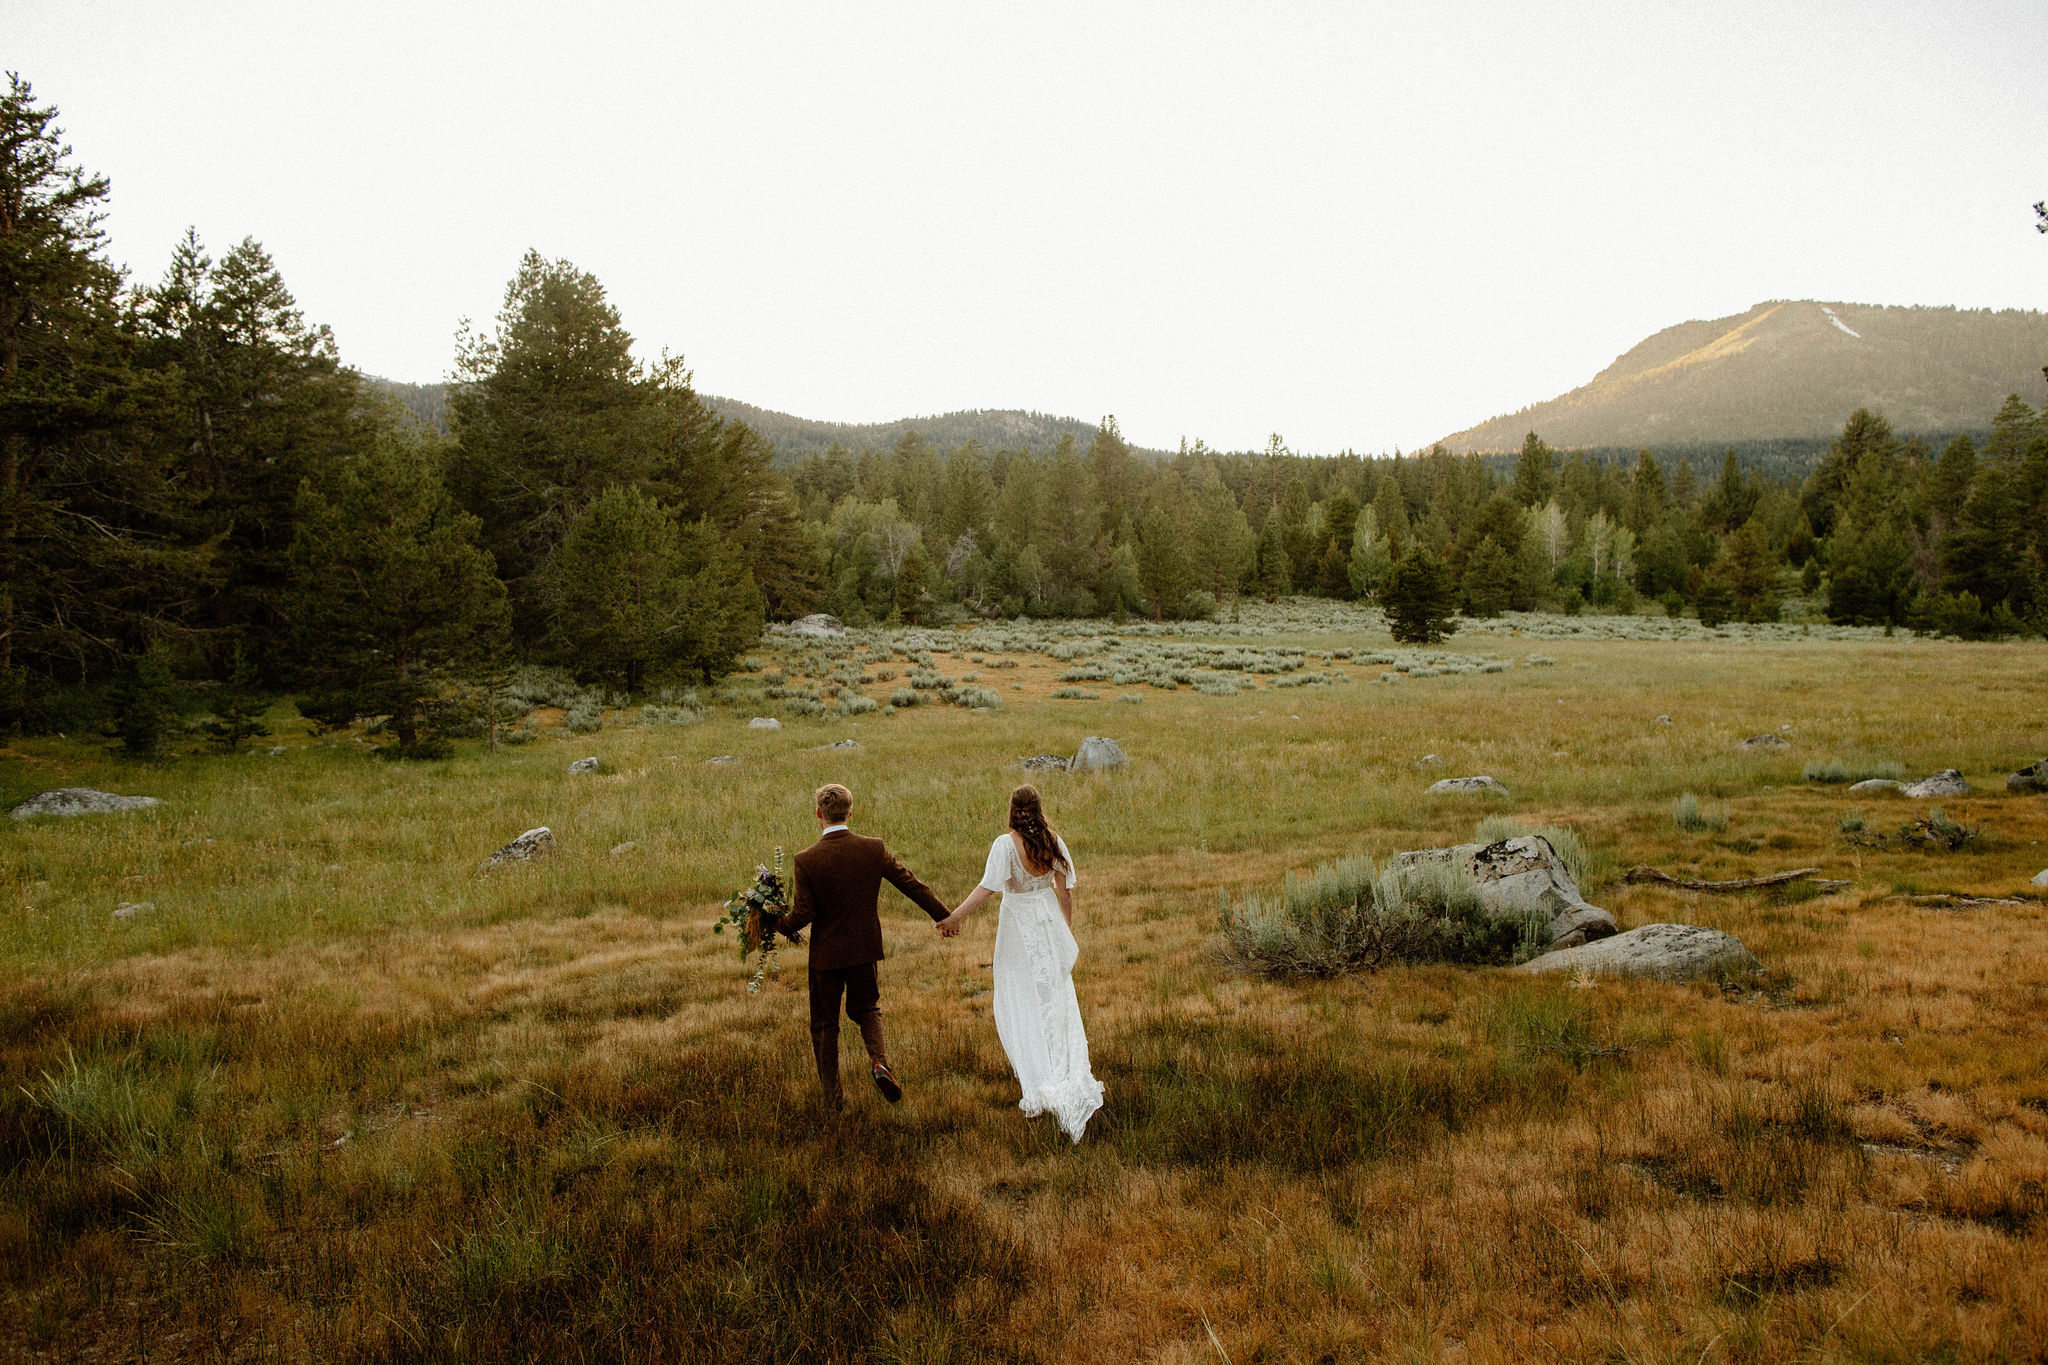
837,896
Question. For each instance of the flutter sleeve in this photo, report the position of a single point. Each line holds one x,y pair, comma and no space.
1069,860
996,875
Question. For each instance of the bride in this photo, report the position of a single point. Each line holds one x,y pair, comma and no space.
1038,1017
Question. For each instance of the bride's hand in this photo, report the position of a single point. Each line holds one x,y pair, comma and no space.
949,927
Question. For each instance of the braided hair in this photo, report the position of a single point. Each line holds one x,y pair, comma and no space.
1041,845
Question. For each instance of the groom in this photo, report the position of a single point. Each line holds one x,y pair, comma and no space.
838,881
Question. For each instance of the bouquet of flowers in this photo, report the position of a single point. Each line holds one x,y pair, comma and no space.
756,913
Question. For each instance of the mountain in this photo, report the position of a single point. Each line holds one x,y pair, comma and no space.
1791,370
795,437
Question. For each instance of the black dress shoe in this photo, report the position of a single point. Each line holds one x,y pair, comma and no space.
885,1081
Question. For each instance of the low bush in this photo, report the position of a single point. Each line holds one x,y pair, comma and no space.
905,696
1690,816
585,714
1351,916
669,715
1075,694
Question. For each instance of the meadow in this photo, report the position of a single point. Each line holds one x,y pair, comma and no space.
336,1095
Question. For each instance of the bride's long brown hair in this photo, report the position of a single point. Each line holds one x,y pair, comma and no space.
1041,845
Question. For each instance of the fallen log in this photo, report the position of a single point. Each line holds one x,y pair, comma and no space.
1964,902
1644,873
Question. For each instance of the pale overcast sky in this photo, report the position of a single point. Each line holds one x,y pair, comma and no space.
1358,225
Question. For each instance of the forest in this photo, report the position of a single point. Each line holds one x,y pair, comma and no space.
202,508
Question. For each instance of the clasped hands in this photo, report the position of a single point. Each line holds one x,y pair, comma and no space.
949,927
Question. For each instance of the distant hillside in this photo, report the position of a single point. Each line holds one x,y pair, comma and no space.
995,428
795,437
1791,371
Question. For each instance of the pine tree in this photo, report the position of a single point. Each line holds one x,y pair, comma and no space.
910,584
1275,573
144,701
391,595
637,598
1489,578
1418,599
1162,563
1533,472
238,707
1751,575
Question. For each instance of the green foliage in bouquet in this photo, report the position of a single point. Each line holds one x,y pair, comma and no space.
756,912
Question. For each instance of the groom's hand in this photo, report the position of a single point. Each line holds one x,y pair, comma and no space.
949,927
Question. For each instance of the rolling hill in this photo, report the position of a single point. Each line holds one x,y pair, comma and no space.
795,437
1791,370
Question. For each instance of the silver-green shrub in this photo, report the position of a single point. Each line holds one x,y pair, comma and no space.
1690,816
1350,915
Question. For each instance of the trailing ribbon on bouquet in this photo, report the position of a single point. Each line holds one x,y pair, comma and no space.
756,911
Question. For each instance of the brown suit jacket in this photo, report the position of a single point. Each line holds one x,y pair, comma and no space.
838,889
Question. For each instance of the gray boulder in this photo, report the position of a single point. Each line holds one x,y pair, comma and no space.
1765,742
1045,763
2041,877
1947,782
764,723
1661,952
130,909
2032,778
1877,784
1454,786
585,765
525,848
80,801
817,625
1096,754
1521,876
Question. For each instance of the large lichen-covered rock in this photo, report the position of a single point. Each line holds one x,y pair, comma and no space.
1523,876
1095,754
1660,952
817,625
1947,782
525,848
1045,763
586,765
80,801
2032,778
1456,786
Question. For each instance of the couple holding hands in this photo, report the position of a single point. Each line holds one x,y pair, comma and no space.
1038,1018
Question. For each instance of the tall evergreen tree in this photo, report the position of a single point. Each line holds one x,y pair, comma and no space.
391,595
1533,472
1419,600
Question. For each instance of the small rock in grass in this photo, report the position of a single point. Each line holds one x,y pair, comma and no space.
1661,952
1045,763
1429,759
1456,786
130,909
723,758
841,744
1096,754
274,750
764,723
2032,778
1947,782
585,765
525,848
620,850
1877,784
1765,742
69,801
1663,720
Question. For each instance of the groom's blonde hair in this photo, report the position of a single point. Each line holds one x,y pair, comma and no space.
835,802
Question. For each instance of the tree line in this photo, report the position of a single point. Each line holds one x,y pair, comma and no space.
201,506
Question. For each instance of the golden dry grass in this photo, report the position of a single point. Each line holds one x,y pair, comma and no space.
337,1096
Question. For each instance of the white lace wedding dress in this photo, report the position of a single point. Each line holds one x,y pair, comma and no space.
1037,1014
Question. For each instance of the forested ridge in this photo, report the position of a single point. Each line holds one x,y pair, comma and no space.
201,507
